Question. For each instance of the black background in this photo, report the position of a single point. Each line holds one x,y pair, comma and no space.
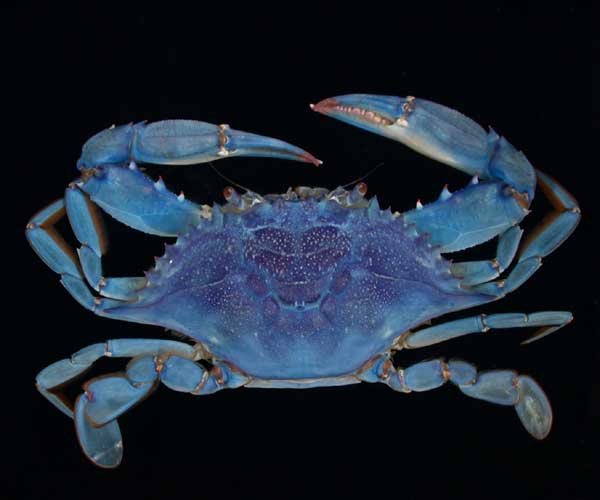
528,72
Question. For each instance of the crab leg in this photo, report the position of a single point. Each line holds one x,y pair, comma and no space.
107,397
480,271
86,222
544,239
61,372
549,321
47,242
502,387
56,253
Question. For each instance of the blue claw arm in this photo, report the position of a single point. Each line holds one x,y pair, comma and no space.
438,132
429,128
181,142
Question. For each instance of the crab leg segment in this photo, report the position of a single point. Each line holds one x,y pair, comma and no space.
480,271
64,371
49,244
56,253
544,239
502,387
137,201
86,222
548,321
181,142
469,216
105,398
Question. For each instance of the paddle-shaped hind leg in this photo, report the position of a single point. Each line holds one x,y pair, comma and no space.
107,397
502,387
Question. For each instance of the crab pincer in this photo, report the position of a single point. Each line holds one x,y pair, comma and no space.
181,142
438,132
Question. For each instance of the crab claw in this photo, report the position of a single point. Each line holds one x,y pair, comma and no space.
246,144
181,142
434,130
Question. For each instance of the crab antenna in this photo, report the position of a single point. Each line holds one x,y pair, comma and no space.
364,176
210,164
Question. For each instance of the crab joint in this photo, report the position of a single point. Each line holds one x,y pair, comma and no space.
198,389
521,198
386,368
445,370
218,375
407,108
159,363
223,139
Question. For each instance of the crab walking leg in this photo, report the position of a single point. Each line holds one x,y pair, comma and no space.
502,387
56,253
61,372
547,321
106,398
86,222
48,244
546,238
58,256
480,271
112,180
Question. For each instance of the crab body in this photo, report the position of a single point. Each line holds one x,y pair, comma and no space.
302,289
298,288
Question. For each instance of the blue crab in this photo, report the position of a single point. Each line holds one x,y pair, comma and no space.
303,289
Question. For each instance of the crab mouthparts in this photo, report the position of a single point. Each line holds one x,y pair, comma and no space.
331,107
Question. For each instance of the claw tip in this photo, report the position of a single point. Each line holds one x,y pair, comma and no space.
308,158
